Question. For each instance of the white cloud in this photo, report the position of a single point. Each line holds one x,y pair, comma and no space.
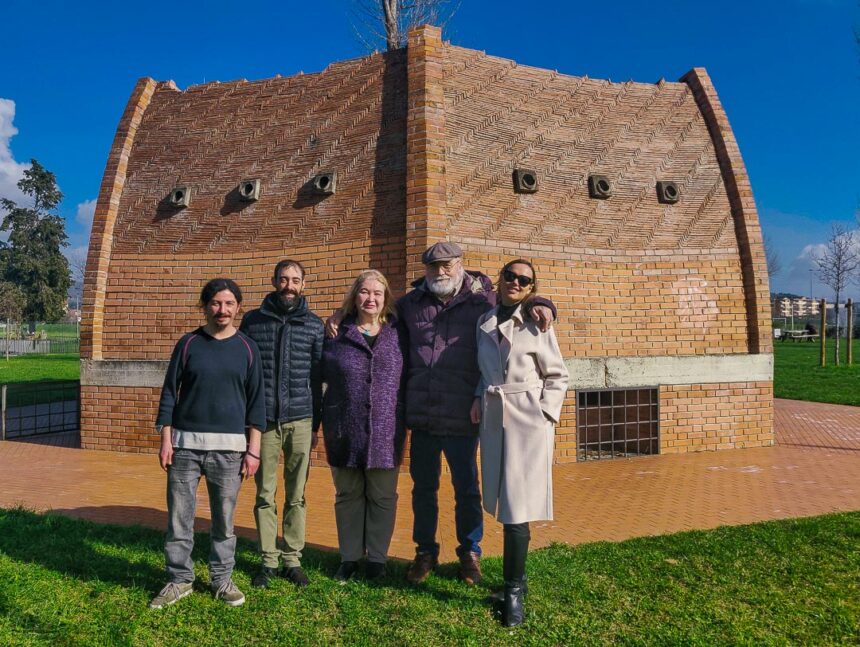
10,170
85,213
811,252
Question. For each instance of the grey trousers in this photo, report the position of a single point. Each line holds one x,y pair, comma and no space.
222,470
365,508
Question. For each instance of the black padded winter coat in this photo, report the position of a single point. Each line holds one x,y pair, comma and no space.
291,351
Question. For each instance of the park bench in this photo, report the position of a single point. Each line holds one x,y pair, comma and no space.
799,335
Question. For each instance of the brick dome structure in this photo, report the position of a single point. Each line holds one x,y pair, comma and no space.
631,199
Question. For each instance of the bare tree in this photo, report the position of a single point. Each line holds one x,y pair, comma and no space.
837,265
389,21
774,262
77,264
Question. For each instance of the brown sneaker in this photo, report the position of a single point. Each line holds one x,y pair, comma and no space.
419,569
470,568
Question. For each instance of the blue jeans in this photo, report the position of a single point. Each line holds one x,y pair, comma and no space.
425,467
222,470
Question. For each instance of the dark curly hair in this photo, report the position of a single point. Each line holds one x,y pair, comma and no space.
215,286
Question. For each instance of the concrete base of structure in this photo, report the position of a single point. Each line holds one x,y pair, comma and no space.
705,402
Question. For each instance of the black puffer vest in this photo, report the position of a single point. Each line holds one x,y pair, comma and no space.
291,352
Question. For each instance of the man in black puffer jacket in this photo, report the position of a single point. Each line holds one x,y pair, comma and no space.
290,338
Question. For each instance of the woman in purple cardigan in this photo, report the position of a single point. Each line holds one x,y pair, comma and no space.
363,423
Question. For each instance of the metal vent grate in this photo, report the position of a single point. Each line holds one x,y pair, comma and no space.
617,423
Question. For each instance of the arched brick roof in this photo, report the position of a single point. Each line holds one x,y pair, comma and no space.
499,115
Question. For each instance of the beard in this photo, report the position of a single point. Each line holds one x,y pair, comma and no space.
443,287
288,298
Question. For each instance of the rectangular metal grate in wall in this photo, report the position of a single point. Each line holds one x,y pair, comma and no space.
617,423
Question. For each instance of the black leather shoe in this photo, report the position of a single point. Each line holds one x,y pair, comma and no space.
513,605
374,570
345,571
263,578
296,575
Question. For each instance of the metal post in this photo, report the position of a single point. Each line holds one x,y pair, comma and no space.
849,330
3,412
823,306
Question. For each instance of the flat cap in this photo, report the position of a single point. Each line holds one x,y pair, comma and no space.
443,251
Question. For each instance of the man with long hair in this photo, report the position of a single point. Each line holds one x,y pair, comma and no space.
212,396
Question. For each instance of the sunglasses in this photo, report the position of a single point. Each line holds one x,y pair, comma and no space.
510,277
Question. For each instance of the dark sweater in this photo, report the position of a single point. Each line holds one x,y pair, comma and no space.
213,385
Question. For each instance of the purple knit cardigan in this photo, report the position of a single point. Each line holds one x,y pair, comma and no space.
363,421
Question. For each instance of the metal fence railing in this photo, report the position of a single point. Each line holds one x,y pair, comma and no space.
18,338
36,408
39,346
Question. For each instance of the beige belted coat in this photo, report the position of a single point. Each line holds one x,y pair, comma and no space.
523,384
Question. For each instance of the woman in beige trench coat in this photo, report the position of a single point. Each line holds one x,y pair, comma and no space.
518,402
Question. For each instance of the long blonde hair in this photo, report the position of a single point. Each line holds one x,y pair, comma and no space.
348,305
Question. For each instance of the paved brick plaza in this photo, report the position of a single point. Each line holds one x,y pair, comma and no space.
814,469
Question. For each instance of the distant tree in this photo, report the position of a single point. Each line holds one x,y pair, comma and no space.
32,259
77,265
837,265
389,21
12,302
774,262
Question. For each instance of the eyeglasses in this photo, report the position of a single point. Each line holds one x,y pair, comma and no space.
510,277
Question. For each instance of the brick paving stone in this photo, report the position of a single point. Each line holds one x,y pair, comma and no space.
814,469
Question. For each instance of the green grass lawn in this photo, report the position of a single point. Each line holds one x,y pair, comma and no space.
38,368
798,376
58,330
69,582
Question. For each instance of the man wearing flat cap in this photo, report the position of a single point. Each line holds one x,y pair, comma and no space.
439,317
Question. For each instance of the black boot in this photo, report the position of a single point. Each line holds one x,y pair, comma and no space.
516,550
513,610
498,595
517,538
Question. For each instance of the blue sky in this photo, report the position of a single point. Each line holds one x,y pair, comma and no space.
787,72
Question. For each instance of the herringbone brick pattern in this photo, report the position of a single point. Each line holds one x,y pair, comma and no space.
814,469
500,115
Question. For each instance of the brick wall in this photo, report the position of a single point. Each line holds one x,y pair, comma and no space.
150,304
424,142
119,418
147,262
632,304
700,417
